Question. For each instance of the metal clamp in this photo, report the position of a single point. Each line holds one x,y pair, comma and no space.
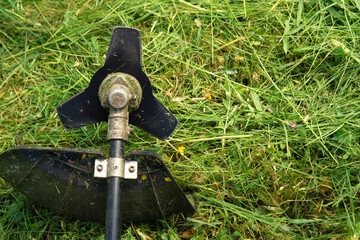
115,167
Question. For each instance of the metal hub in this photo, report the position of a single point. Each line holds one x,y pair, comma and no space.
119,89
120,93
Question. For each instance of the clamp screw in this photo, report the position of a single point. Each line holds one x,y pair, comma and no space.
100,167
131,169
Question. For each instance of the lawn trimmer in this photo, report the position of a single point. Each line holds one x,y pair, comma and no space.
139,187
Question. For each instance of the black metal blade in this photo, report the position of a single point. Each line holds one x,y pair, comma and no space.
81,110
124,47
62,180
85,108
124,55
154,118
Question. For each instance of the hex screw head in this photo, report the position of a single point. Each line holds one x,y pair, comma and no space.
99,167
131,169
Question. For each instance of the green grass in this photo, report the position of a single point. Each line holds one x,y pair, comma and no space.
271,152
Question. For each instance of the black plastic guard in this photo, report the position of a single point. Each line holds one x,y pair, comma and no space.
62,179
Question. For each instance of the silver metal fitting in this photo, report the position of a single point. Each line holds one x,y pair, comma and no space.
119,93
131,169
119,97
115,167
100,169
119,89
118,127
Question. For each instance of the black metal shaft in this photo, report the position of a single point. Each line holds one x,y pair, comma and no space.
113,214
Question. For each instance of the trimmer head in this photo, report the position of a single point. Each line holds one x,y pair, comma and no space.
124,55
139,187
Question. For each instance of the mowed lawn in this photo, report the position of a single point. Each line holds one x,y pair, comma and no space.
267,94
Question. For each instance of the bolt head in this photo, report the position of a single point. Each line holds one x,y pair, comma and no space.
132,169
100,167
118,98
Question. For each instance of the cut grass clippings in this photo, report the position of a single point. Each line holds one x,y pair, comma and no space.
267,94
